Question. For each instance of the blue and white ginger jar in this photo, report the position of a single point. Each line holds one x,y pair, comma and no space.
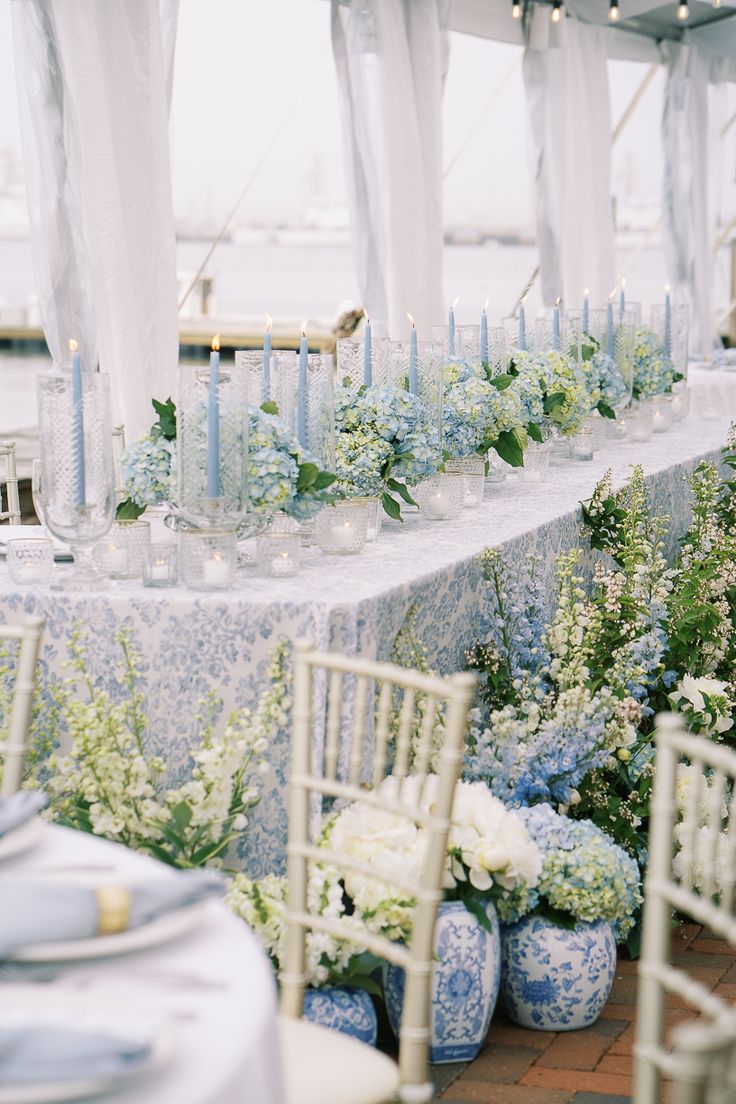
345,1009
466,976
555,979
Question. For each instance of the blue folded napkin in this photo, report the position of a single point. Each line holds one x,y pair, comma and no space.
48,912
50,1053
18,808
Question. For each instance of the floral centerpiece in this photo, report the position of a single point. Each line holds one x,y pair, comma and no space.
552,389
603,379
654,372
480,412
281,475
384,440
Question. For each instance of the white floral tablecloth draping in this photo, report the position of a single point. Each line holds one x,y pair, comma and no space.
191,643
213,985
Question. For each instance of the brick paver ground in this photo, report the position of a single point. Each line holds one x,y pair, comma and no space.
518,1066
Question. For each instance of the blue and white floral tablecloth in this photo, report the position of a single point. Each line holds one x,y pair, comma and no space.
192,643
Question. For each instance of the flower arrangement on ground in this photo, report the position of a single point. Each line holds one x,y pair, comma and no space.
109,784
585,876
281,475
385,438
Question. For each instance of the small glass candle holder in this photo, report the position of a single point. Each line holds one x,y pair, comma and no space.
375,516
208,558
597,423
342,529
30,560
709,402
159,568
616,427
662,416
498,469
681,404
442,497
582,445
473,471
536,462
277,554
121,553
639,417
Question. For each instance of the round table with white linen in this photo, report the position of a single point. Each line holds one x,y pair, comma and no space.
213,985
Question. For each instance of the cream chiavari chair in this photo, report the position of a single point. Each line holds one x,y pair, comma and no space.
11,513
691,869
323,1066
14,743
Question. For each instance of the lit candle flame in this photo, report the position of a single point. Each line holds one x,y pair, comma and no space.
269,323
623,282
485,305
216,343
666,289
558,300
612,296
455,302
304,327
586,293
413,324
72,345
523,300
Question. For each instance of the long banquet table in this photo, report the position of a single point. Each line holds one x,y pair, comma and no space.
192,643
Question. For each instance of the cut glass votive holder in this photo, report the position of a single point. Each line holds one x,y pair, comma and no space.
122,552
662,415
681,404
582,445
159,568
375,515
473,471
536,462
30,560
342,529
639,419
208,558
277,554
442,497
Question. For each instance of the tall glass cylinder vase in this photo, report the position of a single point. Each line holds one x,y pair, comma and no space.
77,478
416,371
671,325
302,400
611,365
355,366
464,344
212,432
556,345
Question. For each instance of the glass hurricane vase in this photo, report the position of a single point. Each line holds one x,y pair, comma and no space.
76,468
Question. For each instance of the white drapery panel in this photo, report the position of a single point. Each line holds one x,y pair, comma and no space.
688,229
390,57
566,79
94,116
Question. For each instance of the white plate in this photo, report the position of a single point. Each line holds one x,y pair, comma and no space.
165,928
55,1004
21,838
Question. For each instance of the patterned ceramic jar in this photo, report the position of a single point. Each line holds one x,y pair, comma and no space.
465,979
555,979
343,1009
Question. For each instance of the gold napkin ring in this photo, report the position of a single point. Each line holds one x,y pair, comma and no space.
113,909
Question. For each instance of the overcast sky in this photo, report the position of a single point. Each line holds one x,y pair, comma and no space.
240,65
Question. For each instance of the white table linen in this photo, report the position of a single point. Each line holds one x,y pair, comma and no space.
214,983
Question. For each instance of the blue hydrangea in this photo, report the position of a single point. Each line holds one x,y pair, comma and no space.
149,470
554,373
584,873
475,412
607,383
654,372
382,430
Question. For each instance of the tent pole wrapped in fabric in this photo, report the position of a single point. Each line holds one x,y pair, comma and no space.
96,148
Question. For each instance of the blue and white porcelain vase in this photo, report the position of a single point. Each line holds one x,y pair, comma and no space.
555,979
345,1009
466,976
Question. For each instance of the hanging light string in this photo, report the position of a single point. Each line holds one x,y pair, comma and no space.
613,12
274,138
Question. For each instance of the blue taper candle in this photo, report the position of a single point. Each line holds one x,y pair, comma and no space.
586,309
301,425
213,422
522,327
484,335
413,376
367,354
556,343
609,327
80,489
267,359
622,296
667,323
451,330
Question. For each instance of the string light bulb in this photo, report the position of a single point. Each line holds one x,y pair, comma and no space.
516,9
683,11
613,12
716,3
556,11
